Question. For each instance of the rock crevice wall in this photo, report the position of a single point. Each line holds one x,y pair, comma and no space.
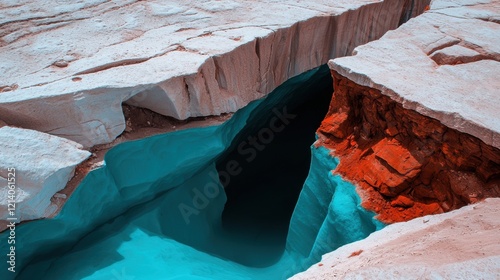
405,164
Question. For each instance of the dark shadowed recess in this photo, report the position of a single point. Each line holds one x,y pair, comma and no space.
272,155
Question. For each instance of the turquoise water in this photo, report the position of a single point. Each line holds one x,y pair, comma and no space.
154,211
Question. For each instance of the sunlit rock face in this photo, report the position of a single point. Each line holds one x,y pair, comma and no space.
33,167
461,244
423,134
177,58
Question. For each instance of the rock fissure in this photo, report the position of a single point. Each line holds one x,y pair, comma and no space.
119,63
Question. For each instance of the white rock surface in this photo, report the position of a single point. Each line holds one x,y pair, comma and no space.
462,244
67,67
445,64
43,165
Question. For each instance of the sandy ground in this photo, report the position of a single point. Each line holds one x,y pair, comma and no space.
462,244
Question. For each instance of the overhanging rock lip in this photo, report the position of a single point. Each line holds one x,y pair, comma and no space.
461,96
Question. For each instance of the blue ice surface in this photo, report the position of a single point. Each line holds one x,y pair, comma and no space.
125,221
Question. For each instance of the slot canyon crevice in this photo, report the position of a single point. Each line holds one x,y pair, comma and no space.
164,195
272,158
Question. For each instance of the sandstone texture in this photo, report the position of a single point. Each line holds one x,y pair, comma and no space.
406,164
43,165
443,64
416,136
462,244
68,67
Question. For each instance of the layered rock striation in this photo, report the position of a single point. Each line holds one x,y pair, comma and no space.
413,118
406,164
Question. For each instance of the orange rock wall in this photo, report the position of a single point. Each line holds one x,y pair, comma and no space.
405,165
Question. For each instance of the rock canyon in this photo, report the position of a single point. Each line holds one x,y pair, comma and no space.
217,139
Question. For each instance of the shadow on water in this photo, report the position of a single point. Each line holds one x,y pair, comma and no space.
270,161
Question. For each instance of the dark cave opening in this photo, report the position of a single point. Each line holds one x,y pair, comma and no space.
264,169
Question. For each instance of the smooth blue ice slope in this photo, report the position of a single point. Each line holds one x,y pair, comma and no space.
125,221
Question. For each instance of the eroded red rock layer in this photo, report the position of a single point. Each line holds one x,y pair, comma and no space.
405,165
